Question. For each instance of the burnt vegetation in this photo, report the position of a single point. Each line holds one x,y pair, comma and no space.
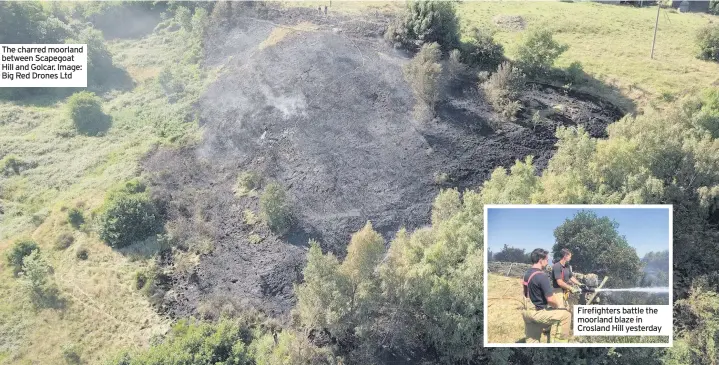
331,211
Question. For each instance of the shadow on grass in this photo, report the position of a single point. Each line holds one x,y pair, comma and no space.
114,78
580,84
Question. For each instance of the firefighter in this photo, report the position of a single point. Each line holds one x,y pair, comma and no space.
562,277
542,310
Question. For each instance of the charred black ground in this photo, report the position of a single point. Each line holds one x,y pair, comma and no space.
327,113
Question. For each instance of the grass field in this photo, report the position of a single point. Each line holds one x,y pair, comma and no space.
104,312
613,43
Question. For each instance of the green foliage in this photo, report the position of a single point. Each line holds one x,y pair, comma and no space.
340,297
28,22
424,22
196,343
512,254
75,217
128,216
247,181
17,253
35,279
100,67
183,16
290,348
85,111
275,208
423,74
426,292
714,7
597,247
698,324
481,50
503,89
538,51
708,42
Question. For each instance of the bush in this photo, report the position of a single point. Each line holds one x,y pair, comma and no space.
275,208
127,218
75,218
481,50
11,165
708,43
35,273
538,51
423,74
714,7
82,253
575,73
426,21
18,252
71,354
503,89
183,16
247,181
85,111
64,241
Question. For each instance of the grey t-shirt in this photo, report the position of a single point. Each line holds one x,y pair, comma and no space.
561,272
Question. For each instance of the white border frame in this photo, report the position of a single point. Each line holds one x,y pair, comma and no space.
669,207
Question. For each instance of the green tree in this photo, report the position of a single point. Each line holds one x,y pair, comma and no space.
27,22
423,74
424,22
511,254
127,218
85,111
538,51
276,209
17,253
597,247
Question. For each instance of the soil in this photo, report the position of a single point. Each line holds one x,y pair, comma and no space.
328,114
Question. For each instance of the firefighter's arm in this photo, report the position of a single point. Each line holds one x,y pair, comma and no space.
564,285
575,281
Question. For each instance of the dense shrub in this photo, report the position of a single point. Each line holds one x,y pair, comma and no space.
19,250
708,42
82,253
503,89
538,51
197,343
127,218
75,217
481,50
423,74
276,209
85,111
71,354
426,21
714,7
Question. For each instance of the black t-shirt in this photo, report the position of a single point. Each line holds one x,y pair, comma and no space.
538,288
557,269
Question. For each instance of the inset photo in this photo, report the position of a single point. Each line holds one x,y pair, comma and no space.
578,276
